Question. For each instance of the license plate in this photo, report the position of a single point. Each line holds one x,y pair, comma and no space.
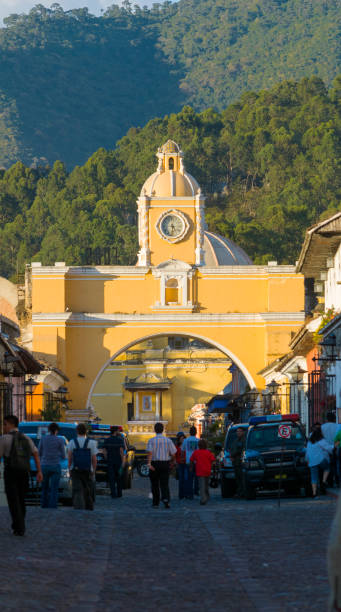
280,476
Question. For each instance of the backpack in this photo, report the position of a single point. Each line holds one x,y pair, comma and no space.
82,456
20,453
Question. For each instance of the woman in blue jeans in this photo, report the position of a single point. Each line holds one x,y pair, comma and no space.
317,455
51,451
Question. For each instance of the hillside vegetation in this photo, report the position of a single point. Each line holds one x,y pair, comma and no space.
270,165
71,82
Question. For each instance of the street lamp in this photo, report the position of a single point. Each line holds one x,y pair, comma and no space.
253,394
29,386
327,346
273,388
297,375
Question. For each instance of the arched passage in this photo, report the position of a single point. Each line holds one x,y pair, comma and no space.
136,341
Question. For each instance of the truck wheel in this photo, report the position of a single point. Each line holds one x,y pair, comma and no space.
143,469
228,488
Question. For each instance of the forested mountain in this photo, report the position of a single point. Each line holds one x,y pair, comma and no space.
71,82
270,165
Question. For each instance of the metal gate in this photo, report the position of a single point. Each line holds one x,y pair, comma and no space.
5,402
321,396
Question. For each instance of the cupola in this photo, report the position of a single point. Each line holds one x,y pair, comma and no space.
170,178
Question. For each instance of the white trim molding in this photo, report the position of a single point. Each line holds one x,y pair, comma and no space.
193,317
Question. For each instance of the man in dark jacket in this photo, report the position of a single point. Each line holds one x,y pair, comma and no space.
17,479
236,452
114,447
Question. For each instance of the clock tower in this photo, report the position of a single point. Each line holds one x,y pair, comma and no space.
171,213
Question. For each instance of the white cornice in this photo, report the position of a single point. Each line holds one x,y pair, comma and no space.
205,271
171,198
94,271
107,272
100,318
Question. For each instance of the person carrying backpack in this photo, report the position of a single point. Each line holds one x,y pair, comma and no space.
17,449
82,464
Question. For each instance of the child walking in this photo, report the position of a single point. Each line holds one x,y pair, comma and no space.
203,459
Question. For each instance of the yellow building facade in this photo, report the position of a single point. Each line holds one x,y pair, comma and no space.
187,283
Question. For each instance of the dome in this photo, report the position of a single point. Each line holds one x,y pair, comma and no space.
220,251
170,147
169,184
170,179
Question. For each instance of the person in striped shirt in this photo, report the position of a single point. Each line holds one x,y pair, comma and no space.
161,453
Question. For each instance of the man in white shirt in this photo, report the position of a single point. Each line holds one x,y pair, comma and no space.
160,451
82,458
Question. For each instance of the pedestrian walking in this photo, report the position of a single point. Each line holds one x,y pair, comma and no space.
330,430
16,448
180,463
51,452
114,448
317,456
236,451
82,463
189,446
202,459
160,452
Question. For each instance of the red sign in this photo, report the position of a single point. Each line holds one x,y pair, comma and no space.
284,431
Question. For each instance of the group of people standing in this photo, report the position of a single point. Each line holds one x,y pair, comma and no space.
81,453
193,462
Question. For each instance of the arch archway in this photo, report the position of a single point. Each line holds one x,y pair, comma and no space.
205,339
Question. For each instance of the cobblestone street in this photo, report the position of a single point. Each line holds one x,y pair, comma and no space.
126,555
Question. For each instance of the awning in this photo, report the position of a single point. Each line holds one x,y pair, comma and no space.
21,361
218,404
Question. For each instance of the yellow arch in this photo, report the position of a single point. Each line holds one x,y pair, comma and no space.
217,345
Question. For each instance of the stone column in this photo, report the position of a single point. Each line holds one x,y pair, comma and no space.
137,407
184,290
200,226
163,290
157,405
143,211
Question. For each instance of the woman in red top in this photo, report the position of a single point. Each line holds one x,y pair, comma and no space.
180,463
203,459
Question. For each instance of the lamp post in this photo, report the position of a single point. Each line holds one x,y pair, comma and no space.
253,395
273,388
29,386
296,385
328,353
62,392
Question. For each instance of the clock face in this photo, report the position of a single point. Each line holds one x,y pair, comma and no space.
172,226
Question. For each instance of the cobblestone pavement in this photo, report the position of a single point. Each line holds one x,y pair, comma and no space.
227,556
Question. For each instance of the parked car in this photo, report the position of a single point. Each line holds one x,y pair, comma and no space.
68,430
141,463
100,435
65,486
271,461
227,477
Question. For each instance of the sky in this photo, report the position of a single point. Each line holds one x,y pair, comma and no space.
95,6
